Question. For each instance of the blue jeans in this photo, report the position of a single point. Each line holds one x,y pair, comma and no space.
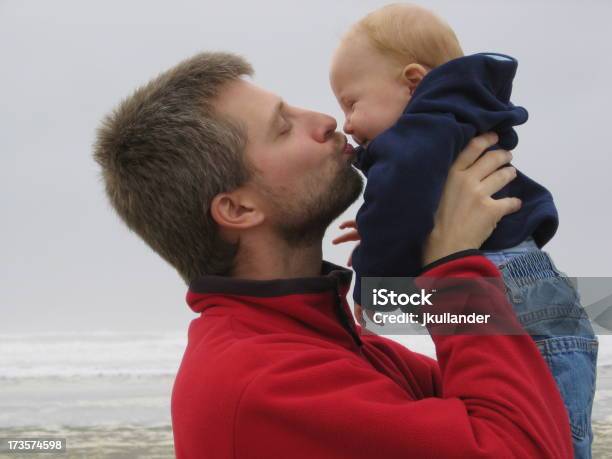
548,306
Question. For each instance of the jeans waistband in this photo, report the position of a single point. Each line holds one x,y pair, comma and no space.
530,266
527,244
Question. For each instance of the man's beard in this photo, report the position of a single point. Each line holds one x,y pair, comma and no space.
303,220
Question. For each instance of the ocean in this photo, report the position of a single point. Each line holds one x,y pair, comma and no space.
108,393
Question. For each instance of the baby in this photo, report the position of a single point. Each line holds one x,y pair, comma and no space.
413,101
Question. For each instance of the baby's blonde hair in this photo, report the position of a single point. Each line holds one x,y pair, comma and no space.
410,34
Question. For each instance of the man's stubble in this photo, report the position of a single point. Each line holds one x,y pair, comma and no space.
302,219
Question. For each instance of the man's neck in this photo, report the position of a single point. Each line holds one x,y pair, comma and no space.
274,260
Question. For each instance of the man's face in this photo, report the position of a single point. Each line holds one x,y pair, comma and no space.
303,167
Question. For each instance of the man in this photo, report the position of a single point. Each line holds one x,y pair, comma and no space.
235,188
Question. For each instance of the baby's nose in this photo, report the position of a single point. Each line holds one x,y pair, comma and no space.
347,128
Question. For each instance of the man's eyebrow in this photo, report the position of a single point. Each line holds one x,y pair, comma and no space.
278,108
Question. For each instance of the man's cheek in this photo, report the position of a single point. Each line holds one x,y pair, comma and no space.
277,169
311,161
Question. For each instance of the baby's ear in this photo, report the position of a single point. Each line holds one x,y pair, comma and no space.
412,75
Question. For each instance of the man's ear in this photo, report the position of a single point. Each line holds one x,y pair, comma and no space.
235,210
412,75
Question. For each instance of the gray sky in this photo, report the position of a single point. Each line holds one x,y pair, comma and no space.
68,263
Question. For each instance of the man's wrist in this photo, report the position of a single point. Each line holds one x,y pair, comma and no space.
439,246
450,257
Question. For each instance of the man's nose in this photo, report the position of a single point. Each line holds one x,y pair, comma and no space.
324,127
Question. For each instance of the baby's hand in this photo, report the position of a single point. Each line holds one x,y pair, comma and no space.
349,236
359,311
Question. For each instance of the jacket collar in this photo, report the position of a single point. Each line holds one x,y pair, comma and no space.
316,302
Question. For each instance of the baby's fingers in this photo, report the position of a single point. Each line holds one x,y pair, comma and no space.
348,224
350,236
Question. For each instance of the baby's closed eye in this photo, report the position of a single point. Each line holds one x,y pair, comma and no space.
348,103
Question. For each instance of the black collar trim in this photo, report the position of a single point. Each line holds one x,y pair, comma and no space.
331,277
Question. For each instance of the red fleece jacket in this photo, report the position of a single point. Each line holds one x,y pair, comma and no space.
279,369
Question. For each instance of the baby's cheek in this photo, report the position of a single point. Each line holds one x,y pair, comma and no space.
390,117
377,122
364,123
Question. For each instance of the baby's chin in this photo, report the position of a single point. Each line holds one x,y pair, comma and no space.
373,135
361,143
365,141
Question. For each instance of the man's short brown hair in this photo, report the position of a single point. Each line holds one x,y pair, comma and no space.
165,154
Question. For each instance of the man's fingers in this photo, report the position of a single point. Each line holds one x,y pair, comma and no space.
350,236
474,149
489,163
507,206
498,179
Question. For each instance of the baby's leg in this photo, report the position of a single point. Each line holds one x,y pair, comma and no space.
548,306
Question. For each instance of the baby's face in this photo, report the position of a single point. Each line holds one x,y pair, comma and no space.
368,87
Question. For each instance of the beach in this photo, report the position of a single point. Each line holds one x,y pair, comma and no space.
122,441
602,406
108,394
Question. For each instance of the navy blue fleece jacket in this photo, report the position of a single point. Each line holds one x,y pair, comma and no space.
406,167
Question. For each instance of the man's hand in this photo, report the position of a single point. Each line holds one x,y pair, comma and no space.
467,215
